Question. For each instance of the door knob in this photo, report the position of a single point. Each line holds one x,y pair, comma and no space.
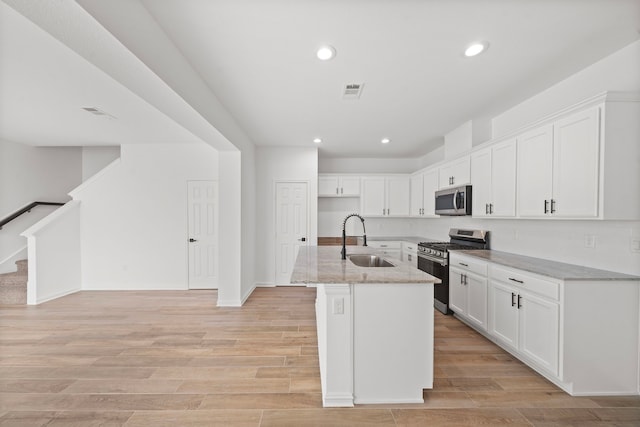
192,240
303,239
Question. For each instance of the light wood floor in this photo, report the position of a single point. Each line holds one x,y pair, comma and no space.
174,359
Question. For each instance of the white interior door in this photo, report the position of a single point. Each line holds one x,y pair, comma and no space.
291,227
203,234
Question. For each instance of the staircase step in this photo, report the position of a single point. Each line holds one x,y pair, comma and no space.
13,286
22,266
13,290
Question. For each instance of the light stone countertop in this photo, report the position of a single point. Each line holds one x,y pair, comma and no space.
323,264
543,267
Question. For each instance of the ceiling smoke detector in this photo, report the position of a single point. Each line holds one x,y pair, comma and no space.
352,90
98,112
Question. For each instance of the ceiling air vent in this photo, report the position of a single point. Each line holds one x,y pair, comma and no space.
352,90
97,112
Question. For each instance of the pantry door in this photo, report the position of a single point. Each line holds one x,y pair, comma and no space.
202,236
291,227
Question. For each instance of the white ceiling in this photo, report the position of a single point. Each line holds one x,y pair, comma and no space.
258,57
44,85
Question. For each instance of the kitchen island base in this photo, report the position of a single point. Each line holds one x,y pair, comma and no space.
375,342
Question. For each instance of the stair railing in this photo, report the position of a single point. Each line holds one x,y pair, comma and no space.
26,209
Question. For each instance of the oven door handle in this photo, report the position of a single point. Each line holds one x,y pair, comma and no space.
442,262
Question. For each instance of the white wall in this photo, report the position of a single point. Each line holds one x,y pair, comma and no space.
365,165
54,255
94,159
618,71
134,217
272,164
29,174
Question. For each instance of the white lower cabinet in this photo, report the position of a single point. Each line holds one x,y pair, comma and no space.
391,248
468,290
410,253
525,323
559,327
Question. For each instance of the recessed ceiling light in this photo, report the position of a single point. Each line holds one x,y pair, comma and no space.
325,53
385,140
317,140
476,49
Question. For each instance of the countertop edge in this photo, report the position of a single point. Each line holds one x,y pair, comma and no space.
521,262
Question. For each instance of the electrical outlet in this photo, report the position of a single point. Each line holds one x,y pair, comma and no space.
634,244
589,241
338,306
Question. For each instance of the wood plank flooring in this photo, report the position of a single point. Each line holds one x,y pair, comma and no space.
172,358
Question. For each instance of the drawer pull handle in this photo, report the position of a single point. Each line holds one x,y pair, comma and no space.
516,280
463,264
513,299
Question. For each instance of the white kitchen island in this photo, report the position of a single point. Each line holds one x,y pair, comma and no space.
375,327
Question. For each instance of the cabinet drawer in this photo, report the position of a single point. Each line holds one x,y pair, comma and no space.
409,247
383,244
467,264
525,281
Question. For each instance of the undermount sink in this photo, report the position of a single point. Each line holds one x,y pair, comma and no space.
369,261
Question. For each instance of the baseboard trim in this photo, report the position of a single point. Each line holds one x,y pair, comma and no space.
52,297
265,285
337,400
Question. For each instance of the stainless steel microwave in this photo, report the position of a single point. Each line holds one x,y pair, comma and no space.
454,201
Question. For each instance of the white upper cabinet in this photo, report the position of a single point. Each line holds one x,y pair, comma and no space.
423,188
385,196
493,176
558,168
338,186
576,157
457,172
535,159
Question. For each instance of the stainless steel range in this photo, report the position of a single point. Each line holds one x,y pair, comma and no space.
433,258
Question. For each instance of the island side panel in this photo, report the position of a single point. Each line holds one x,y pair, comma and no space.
601,348
335,344
393,342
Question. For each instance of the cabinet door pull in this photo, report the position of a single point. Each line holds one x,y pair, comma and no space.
516,280
513,299
466,279
463,264
409,257
486,208
383,211
341,190
491,208
553,206
519,305
546,204
388,211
